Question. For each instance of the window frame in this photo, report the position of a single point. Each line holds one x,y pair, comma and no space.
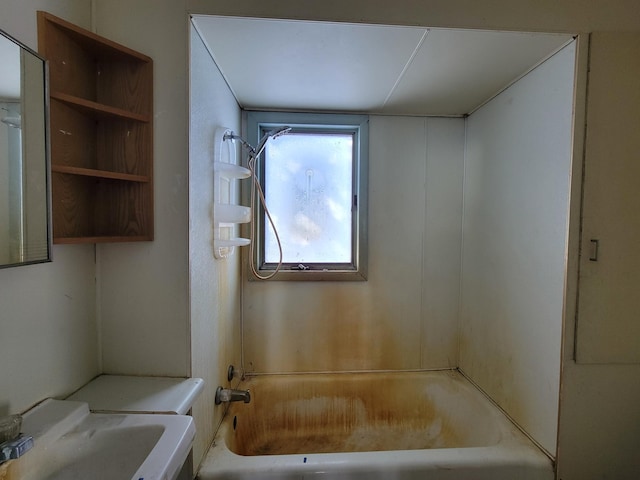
258,122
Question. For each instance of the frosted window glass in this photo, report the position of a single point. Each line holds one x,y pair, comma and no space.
308,187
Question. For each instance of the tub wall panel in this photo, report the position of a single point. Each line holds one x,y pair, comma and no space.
515,233
442,242
214,284
383,323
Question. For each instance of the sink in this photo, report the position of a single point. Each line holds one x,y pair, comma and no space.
72,443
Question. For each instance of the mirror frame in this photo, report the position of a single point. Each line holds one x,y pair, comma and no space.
47,157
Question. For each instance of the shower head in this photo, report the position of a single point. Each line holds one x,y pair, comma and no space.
275,133
279,131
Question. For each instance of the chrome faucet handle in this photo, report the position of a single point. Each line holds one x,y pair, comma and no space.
230,395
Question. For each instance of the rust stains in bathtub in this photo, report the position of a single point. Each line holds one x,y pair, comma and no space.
337,413
11,470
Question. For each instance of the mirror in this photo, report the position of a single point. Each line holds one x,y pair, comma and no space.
25,233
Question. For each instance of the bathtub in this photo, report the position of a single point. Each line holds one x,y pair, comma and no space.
401,426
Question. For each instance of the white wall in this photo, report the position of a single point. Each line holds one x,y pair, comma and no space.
48,335
214,284
143,287
405,315
516,205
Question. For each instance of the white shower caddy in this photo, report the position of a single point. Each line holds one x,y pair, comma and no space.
226,213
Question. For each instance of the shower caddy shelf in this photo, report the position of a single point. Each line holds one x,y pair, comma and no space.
226,213
101,123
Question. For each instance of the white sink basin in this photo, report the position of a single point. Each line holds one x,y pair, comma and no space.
72,443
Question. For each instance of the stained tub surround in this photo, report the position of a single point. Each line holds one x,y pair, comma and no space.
460,210
468,227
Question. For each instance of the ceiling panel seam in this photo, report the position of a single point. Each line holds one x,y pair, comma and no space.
406,67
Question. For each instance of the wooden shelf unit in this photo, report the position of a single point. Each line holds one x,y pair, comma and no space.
101,112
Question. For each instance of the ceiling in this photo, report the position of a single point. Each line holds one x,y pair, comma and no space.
309,66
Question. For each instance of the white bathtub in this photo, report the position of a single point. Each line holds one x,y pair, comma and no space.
401,426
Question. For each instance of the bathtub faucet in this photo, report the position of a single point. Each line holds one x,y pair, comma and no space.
230,395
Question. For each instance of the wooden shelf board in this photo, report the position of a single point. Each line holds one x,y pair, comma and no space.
98,109
88,172
102,239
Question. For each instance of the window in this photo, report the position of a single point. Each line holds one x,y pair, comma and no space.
314,182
